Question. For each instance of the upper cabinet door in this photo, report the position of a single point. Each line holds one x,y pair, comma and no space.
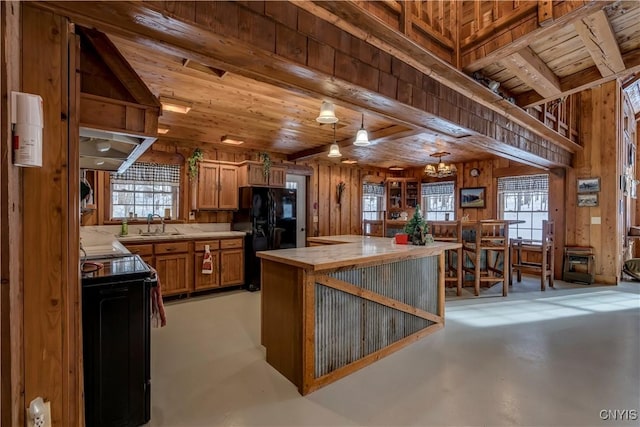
277,176
228,197
208,185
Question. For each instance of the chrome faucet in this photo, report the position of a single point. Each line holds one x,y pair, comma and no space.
150,218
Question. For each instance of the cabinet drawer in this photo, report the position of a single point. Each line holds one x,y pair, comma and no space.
140,249
171,248
230,243
213,245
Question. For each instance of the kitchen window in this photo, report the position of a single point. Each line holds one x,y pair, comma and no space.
524,198
372,202
145,188
438,200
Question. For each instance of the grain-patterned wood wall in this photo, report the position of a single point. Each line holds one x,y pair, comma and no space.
600,158
11,285
52,334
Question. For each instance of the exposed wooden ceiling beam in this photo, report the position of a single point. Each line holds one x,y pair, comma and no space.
542,32
381,135
598,37
582,80
146,24
529,68
634,77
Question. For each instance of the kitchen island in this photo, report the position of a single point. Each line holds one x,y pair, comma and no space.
328,311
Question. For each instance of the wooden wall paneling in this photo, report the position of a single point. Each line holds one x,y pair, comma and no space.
11,227
356,202
324,203
51,279
345,206
558,206
608,171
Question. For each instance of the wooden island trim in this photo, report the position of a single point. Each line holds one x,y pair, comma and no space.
370,316
354,250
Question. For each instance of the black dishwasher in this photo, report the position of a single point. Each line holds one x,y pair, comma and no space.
116,342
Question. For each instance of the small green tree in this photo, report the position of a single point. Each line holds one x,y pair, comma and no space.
416,223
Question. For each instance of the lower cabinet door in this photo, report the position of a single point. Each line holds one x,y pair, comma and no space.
173,273
206,281
232,267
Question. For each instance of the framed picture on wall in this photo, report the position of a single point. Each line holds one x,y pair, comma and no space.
587,200
473,197
588,185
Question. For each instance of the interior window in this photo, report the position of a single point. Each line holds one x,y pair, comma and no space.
438,199
524,198
145,188
373,202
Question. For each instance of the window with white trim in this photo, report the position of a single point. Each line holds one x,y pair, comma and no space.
438,199
372,201
524,198
145,188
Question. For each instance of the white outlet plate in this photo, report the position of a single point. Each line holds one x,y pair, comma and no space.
192,215
596,220
47,417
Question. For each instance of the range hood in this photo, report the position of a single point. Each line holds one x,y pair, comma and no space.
110,151
118,114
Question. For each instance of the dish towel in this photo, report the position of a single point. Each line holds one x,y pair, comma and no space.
158,316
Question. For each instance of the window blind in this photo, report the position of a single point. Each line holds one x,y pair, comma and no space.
438,188
524,183
149,172
373,190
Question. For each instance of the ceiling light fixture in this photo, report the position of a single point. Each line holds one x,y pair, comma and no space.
349,161
441,170
163,130
99,162
327,113
334,150
396,168
103,146
231,139
362,138
175,105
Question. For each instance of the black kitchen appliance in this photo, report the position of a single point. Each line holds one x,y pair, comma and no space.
116,341
271,216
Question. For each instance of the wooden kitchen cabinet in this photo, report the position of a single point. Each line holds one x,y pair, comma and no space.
172,264
217,186
206,281
173,273
231,262
231,267
251,174
403,195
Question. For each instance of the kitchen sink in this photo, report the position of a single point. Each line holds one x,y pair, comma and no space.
172,233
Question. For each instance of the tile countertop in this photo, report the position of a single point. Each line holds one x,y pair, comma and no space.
355,250
104,240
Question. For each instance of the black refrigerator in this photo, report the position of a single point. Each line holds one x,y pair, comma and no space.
270,214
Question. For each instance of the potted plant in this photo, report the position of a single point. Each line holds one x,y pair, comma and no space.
193,163
418,229
266,164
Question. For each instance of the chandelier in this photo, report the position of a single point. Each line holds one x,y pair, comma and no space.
440,170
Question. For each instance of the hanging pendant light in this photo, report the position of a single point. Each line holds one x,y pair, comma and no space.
362,137
327,113
334,150
441,170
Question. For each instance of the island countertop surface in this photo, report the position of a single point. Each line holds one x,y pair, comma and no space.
353,250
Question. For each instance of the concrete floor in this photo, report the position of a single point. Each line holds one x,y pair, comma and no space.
555,359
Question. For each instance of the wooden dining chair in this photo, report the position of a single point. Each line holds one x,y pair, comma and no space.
450,231
487,254
534,256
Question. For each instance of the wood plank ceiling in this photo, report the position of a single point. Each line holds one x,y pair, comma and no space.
275,119
602,45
